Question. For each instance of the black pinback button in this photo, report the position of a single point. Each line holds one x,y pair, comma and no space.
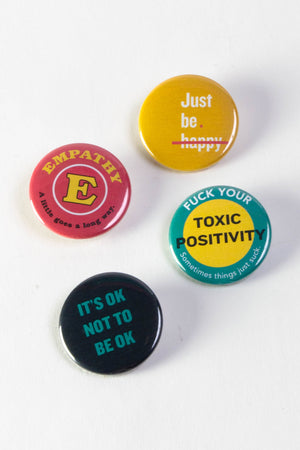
110,323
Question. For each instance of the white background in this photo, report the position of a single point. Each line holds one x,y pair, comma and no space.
225,375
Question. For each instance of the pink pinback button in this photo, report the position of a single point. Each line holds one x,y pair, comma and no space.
80,190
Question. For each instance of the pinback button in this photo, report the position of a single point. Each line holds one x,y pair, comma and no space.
188,122
220,235
110,323
80,190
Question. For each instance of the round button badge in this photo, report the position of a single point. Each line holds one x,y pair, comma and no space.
188,122
110,323
80,190
220,235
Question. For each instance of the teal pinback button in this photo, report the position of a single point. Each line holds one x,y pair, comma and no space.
220,234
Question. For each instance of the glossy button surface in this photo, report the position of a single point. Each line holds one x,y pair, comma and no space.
220,234
80,190
188,122
110,323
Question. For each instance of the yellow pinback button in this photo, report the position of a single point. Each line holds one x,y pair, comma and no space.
188,122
